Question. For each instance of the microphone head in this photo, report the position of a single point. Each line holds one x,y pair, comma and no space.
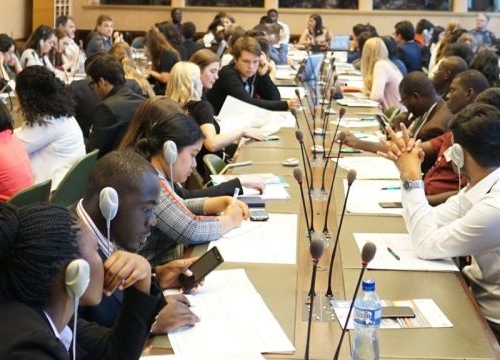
341,112
351,176
294,112
297,174
299,135
342,136
316,248
368,253
297,92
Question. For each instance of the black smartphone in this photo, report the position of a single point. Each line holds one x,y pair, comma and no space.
201,268
397,312
258,214
391,205
382,122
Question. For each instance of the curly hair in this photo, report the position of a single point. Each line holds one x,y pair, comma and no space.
36,242
41,95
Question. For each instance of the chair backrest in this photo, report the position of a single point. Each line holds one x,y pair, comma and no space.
72,186
36,194
213,163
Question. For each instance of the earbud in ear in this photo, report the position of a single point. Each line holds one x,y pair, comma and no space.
457,155
108,203
77,277
170,152
41,42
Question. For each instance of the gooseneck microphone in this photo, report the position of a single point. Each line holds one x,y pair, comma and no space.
367,255
342,136
351,176
297,174
299,135
324,127
294,113
297,93
316,248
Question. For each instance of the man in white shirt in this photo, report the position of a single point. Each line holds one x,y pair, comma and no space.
468,223
72,50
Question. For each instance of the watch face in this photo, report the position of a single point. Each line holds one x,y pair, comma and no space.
406,185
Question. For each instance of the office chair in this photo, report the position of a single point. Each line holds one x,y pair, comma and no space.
36,194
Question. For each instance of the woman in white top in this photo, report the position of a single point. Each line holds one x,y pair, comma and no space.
316,35
38,50
50,133
381,77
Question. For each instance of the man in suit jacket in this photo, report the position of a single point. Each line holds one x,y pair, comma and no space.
117,107
136,184
408,49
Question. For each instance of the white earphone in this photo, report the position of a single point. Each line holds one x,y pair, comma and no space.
170,155
108,204
77,277
457,156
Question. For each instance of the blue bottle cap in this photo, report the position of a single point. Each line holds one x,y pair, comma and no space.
369,285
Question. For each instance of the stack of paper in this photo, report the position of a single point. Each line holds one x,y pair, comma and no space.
275,185
358,103
371,197
370,167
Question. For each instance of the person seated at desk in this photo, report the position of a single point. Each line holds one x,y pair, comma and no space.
381,77
185,88
408,49
137,189
247,79
315,36
15,166
38,245
10,65
117,107
467,224
446,71
71,56
181,222
102,38
50,133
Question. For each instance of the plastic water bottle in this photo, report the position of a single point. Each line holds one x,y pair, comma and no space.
367,315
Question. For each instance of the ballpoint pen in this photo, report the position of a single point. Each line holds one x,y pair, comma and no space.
391,188
396,256
235,195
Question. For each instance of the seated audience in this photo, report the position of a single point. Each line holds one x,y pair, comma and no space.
408,48
391,46
38,245
315,35
188,31
284,28
117,107
163,56
15,167
71,54
483,36
173,36
102,38
49,133
185,88
58,51
381,77
467,224
9,62
247,79
136,185
446,71
486,61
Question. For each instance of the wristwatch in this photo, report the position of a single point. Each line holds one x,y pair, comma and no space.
413,184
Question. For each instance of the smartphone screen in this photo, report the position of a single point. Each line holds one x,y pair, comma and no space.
258,214
201,268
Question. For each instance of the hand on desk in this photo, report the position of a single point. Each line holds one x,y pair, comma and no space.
293,104
175,314
123,269
254,133
167,274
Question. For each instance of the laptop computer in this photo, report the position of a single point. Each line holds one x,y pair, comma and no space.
340,42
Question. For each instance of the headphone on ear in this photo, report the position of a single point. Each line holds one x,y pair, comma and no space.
457,156
108,204
77,277
170,151
41,42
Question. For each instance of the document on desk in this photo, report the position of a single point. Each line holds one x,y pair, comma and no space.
234,320
272,242
238,356
370,167
395,252
351,102
288,92
236,114
366,197
355,122
274,190
427,314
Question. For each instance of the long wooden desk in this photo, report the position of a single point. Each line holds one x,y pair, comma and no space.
284,287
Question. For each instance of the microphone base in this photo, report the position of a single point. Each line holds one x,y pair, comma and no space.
322,308
319,162
319,235
319,195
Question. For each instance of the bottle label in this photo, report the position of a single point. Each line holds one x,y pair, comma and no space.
367,317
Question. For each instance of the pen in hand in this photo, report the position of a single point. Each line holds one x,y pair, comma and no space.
396,256
235,195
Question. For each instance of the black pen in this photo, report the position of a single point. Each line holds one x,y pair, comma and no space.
393,253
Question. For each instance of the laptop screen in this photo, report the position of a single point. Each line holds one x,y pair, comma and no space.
312,66
340,42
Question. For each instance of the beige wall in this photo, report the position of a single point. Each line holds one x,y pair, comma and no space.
141,18
16,18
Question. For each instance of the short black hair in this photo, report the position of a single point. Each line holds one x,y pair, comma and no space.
477,129
6,42
460,49
486,61
472,79
405,29
107,67
62,20
423,24
490,96
188,30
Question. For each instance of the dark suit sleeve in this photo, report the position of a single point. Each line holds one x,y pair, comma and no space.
126,339
224,189
103,130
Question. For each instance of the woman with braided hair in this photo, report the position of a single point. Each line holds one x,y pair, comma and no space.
37,245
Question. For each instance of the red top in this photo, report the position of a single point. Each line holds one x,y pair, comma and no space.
15,167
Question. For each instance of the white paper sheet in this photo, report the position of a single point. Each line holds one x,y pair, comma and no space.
288,92
401,245
365,196
234,320
355,122
358,103
273,241
370,167
238,356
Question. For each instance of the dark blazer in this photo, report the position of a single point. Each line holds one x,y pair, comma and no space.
111,119
265,92
191,47
409,53
29,335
